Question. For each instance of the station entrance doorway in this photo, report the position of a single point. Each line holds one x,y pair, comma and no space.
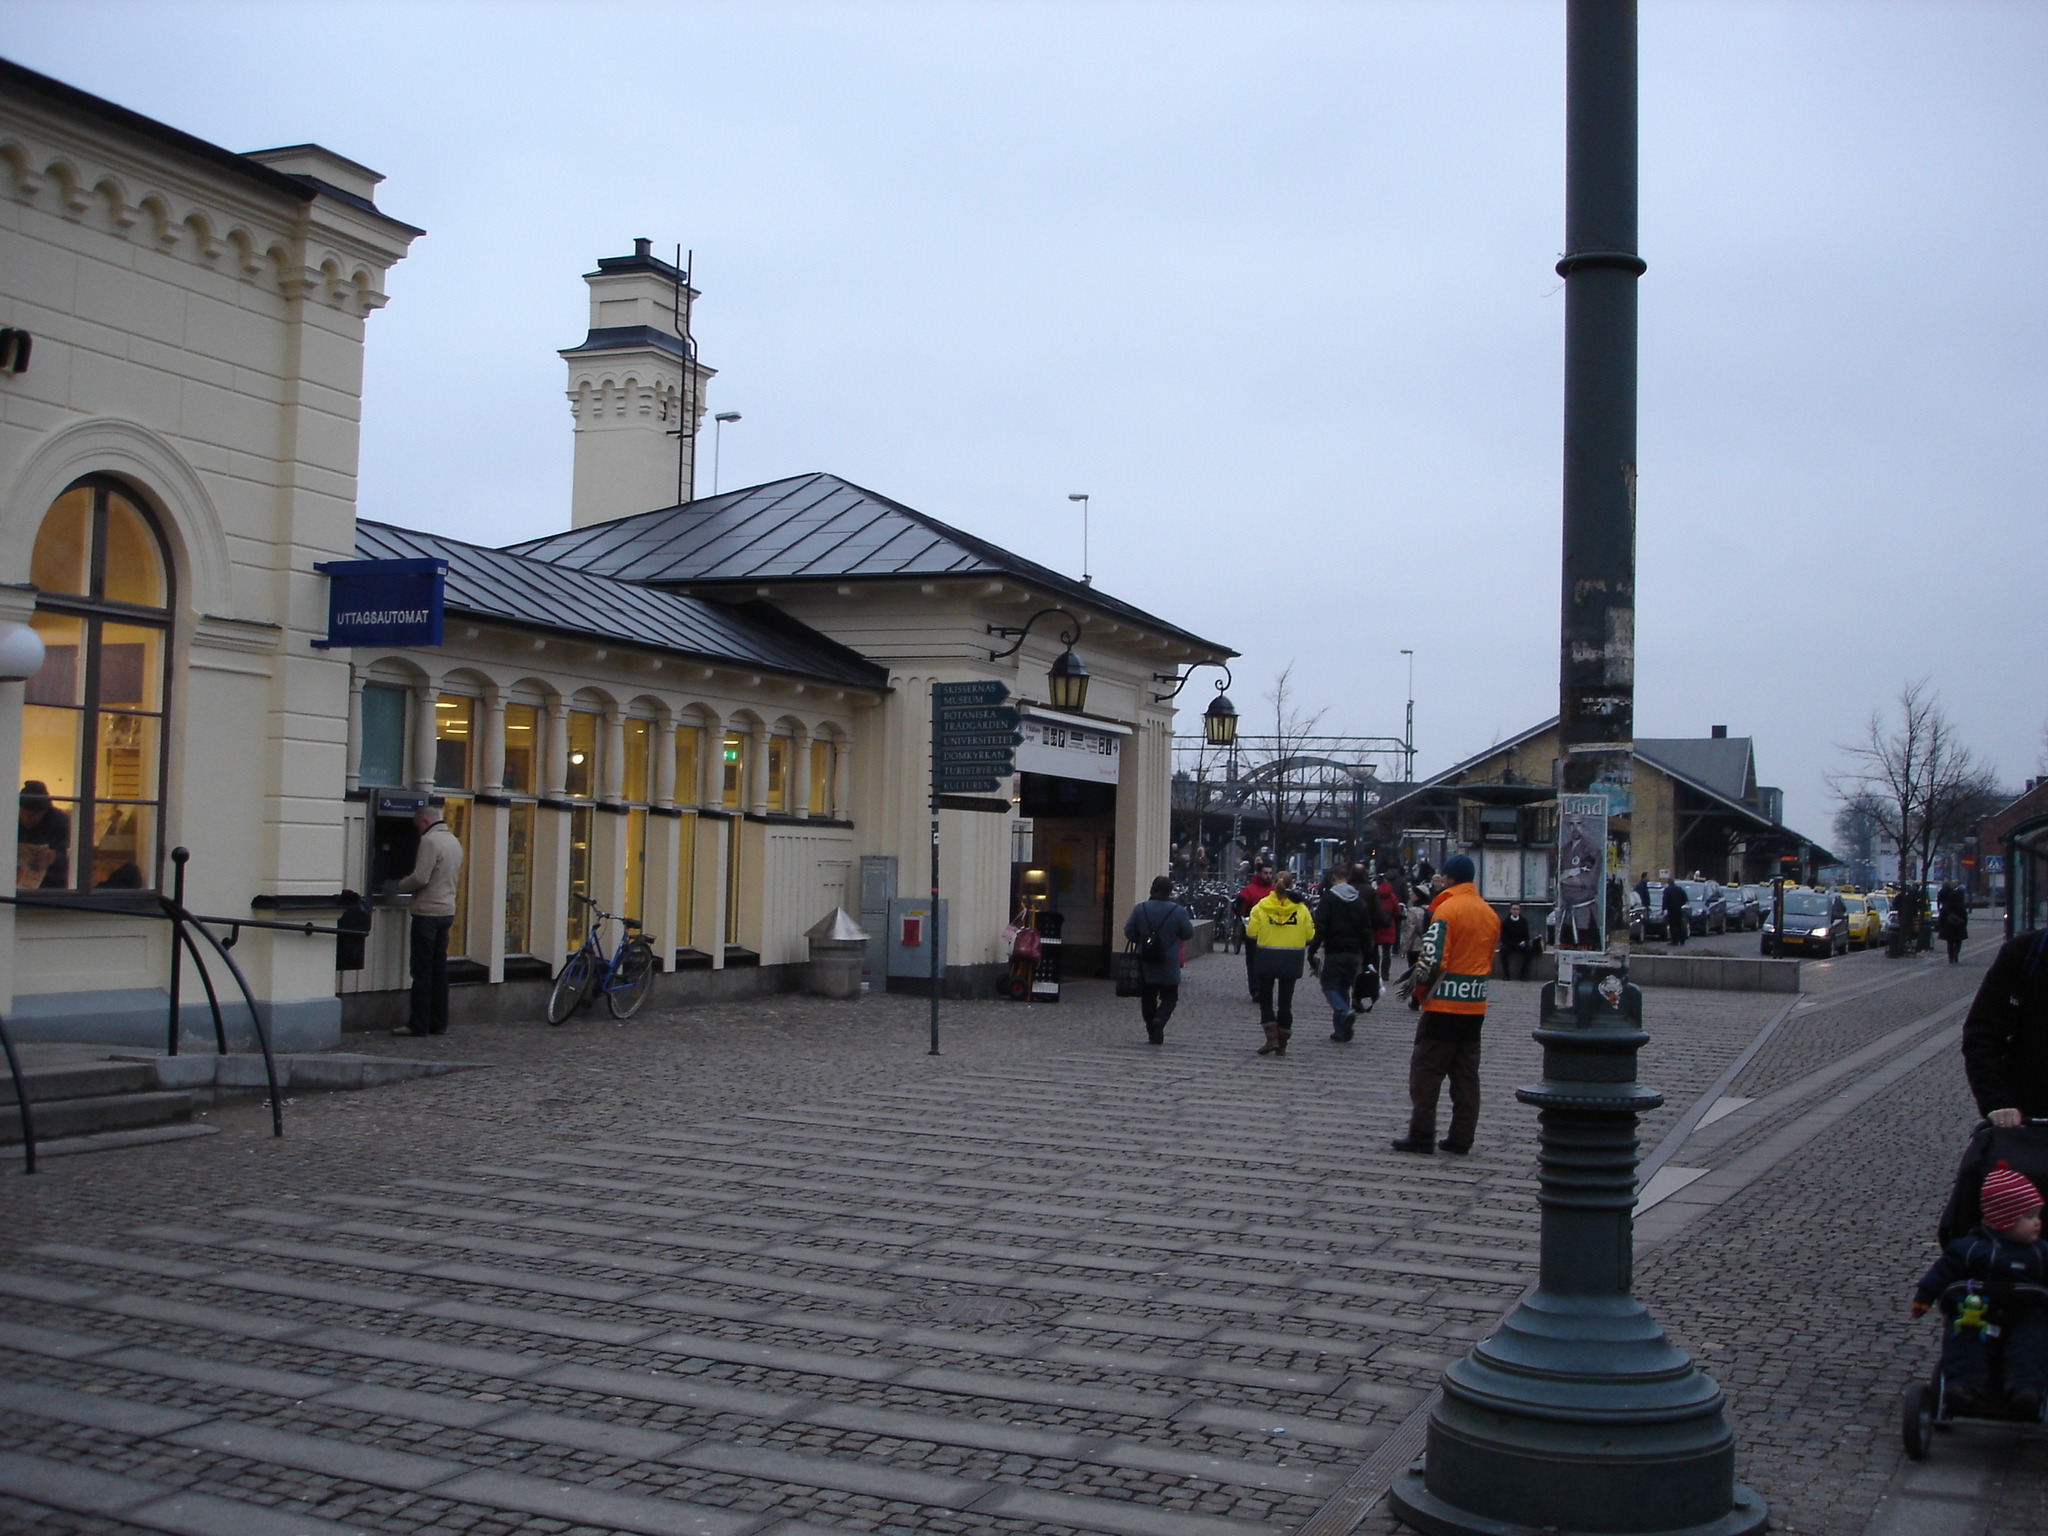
1073,839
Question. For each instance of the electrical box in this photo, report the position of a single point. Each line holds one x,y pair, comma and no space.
911,935
877,890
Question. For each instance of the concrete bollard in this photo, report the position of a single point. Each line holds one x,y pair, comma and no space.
839,948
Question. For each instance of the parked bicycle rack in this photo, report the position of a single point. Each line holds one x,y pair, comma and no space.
184,923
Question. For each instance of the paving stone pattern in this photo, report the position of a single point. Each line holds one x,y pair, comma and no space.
764,1267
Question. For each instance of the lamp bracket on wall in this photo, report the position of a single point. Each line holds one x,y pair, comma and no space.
1180,680
1067,636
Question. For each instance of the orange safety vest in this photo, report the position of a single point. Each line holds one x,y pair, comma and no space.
1457,951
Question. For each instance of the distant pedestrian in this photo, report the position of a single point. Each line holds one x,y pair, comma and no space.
1449,986
1952,920
1414,919
1346,920
1675,903
1255,890
1282,925
1159,926
1516,946
433,885
1388,935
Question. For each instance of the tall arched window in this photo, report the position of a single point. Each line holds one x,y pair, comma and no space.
92,730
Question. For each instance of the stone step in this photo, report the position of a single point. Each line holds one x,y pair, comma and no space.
87,1116
83,1080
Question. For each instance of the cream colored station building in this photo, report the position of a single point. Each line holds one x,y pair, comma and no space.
708,714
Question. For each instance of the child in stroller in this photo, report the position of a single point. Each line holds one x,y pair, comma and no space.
1984,1284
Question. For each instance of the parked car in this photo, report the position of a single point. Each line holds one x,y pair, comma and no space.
1816,923
1865,926
1887,916
1746,905
1708,908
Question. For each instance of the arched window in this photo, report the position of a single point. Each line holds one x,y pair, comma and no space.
92,730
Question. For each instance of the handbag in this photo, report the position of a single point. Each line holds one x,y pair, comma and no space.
1284,964
1025,946
1130,972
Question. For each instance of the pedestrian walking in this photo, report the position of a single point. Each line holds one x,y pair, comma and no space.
1952,920
1517,948
1387,936
2005,1035
433,887
1159,926
1345,921
1449,987
1414,919
1675,903
1282,926
1255,890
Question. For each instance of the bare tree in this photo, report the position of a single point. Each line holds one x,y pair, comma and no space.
1285,791
1914,779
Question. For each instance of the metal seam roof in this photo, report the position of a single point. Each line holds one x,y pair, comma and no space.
495,584
808,528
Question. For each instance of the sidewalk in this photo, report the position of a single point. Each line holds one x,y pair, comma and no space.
727,1269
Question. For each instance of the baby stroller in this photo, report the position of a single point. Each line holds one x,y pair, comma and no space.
1988,1305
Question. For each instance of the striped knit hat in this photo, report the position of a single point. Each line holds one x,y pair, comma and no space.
2007,1197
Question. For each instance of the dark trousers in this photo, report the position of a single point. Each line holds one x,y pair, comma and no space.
1340,972
1386,961
1283,1014
1431,1062
1955,951
1251,960
430,975
1677,926
1966,1358
1514,961
1156,1003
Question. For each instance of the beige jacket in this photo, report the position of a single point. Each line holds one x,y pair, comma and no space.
434,875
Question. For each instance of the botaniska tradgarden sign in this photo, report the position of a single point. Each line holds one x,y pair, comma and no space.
974,753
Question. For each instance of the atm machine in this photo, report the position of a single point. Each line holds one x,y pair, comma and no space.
392,843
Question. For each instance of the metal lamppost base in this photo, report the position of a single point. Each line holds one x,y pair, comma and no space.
1417,1506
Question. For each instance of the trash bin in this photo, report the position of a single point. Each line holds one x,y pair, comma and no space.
839,946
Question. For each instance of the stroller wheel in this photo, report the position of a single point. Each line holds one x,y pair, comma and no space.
1916,1419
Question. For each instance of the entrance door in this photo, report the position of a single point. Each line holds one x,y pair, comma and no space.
1073,839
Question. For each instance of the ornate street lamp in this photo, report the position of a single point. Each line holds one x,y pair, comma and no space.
1219,721
1066,680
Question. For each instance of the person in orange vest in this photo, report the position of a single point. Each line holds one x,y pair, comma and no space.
1449,986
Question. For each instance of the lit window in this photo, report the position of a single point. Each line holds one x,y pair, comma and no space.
382,758
689,767
636,786
778,773
454,734
92,728
735,770
522,748
582,779
824,762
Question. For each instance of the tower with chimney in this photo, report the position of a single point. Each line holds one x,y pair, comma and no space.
636,390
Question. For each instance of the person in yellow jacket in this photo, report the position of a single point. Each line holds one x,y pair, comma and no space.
1281,924
1449,986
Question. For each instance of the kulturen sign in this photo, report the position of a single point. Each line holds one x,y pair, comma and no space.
383,602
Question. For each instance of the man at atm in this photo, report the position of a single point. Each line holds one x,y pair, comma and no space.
432,887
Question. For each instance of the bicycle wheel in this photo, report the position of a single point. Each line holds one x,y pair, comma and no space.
632,978
570,987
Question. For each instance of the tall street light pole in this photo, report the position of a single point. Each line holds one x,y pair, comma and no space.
718,444
1408,731
1577,1414
1082,497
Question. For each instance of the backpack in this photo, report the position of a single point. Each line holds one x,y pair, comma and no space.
1152,948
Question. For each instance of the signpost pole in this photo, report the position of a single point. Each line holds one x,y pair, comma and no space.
933,937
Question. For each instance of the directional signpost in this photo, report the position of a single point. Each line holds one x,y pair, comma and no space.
974,752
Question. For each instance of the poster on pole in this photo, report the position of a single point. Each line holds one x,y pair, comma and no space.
1581,871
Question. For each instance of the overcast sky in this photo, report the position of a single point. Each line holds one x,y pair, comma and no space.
1271,282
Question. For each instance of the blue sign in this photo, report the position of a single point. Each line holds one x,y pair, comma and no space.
383,602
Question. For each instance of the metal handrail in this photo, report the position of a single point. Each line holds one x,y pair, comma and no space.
28,1124
183,922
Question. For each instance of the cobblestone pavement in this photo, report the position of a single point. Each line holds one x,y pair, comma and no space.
769,1266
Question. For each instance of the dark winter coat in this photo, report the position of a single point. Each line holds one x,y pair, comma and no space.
1984,1255
1954,921
2005,1037
1514,935
1389,931
1347,919
1172,922
1675,899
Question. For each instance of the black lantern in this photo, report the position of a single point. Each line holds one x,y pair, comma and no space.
1219,721
1066,683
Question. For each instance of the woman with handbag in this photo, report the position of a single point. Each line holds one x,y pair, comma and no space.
1156,929
1282,925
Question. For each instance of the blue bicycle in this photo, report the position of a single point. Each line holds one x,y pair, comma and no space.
625,979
